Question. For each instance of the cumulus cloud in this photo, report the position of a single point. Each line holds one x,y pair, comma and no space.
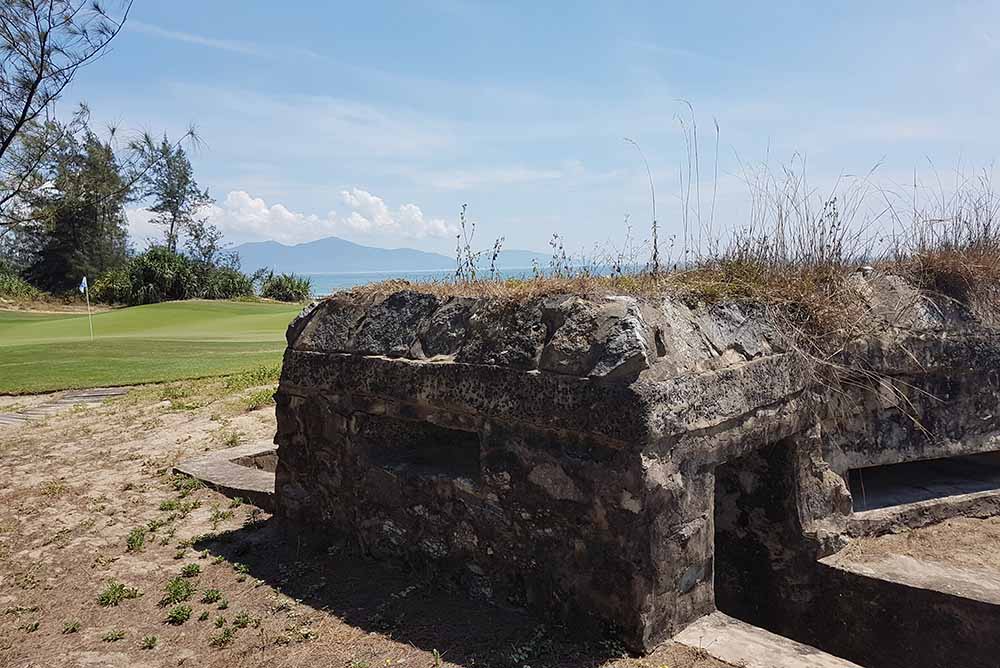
242,217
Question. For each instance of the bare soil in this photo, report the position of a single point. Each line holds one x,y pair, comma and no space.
75,486
961,542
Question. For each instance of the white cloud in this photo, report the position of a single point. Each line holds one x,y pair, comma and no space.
270,51
190,38
242,217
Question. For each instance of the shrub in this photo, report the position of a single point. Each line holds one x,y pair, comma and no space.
112,287
13,286
225,283
286,287
160,275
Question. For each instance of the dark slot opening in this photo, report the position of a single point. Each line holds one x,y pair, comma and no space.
876,487
426,450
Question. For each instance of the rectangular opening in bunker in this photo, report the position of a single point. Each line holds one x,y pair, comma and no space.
413,449
753,513
877,487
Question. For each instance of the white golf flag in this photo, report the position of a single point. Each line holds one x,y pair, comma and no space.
83,285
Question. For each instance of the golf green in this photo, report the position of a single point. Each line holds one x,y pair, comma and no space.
42,352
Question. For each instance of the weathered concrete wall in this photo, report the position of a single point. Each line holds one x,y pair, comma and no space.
561,452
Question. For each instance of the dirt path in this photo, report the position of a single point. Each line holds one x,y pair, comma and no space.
86,499
963,542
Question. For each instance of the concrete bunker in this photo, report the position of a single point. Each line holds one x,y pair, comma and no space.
631,463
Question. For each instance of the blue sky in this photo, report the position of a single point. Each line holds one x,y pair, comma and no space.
375,121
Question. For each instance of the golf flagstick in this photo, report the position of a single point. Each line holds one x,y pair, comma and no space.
85,289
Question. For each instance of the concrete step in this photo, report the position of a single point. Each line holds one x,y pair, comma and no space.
230,472
88,398
13,418
741,644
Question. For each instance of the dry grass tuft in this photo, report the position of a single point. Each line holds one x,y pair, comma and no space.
794,258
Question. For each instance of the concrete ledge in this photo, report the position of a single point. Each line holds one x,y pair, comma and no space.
237,472
741,644
976,584
923,513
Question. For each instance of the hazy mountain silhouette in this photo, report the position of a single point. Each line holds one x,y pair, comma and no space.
333,254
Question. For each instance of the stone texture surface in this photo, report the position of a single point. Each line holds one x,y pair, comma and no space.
566,452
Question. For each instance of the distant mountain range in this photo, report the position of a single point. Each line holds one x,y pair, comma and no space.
336,255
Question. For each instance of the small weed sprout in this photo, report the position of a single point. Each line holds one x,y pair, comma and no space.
70,627
177,590
54,488
220,516
30,627
115,592
211,596
244,619
191,570
184,485
114,635
203,617
136,539
223,637
220,622
179,614
232,439
258,399
148,642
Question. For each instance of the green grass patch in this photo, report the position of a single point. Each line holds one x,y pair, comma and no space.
266,374
41,352
258,399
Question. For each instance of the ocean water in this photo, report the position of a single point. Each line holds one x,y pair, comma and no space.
325,283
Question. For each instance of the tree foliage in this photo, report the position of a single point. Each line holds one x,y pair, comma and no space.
176,197
78,225
43,44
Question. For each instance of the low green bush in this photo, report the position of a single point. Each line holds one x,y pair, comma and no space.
225,283
286,287
160,274
12,286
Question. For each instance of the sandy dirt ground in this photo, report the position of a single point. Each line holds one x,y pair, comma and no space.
89,509
960,542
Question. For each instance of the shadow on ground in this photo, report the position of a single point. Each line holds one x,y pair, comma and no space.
409,607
